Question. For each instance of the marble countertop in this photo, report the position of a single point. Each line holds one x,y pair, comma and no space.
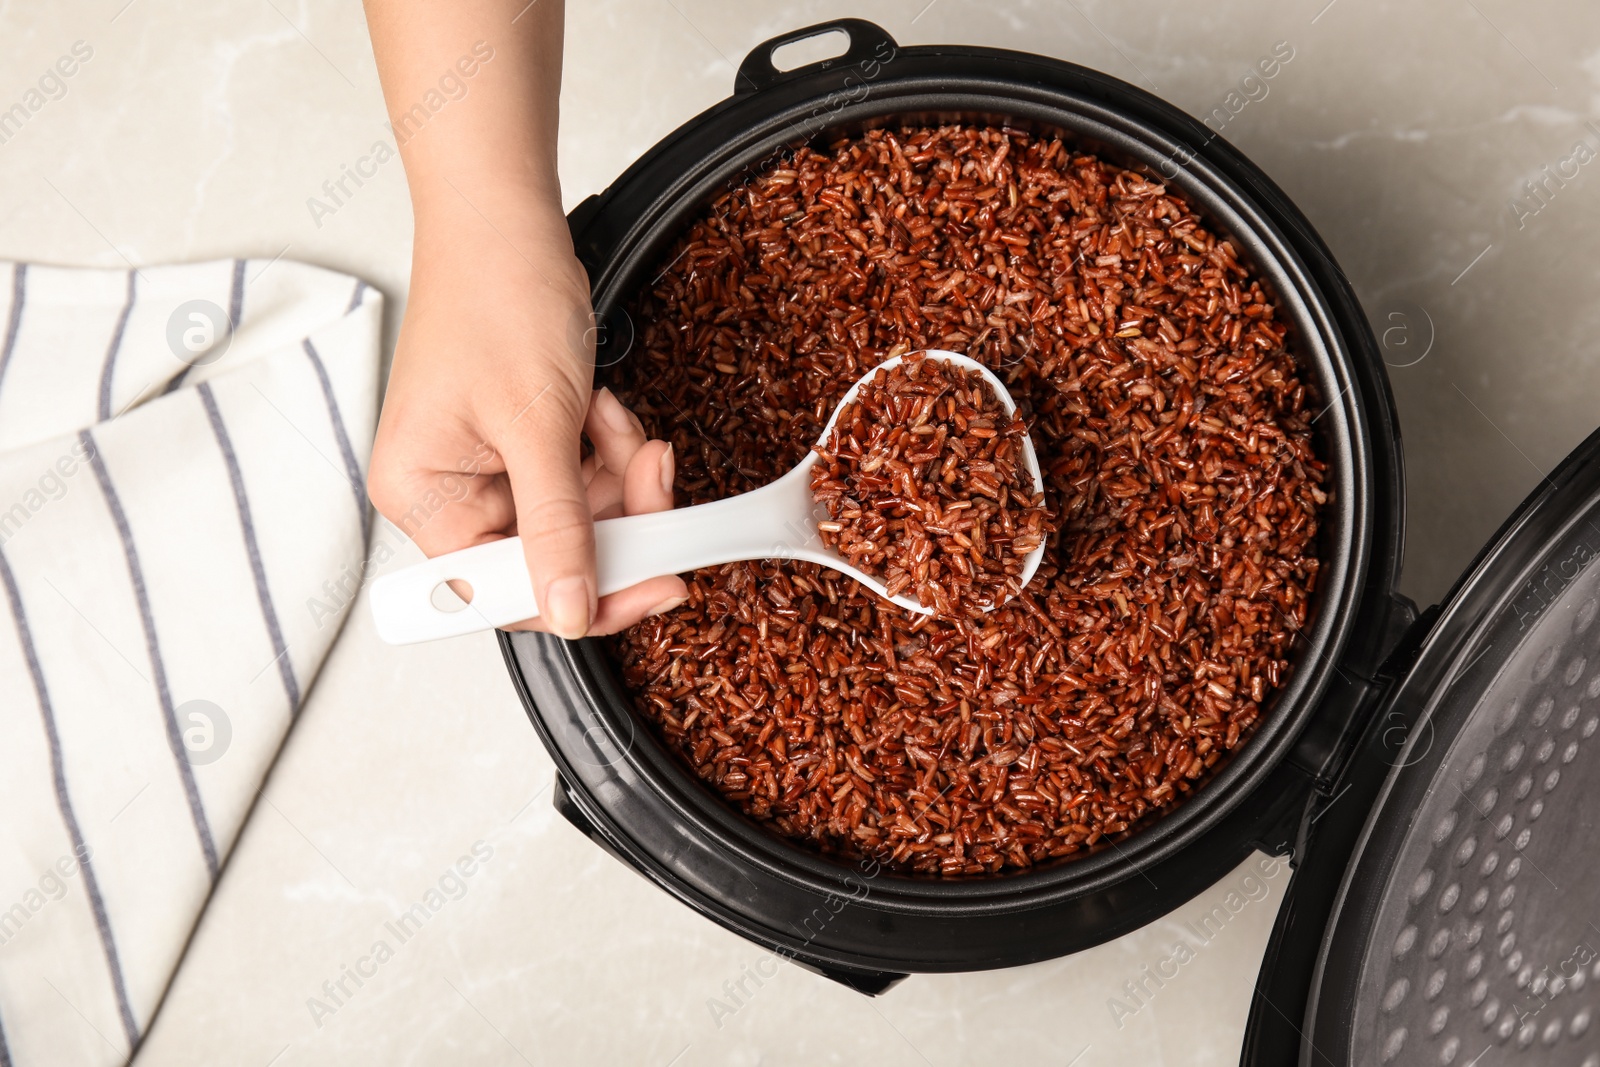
1421,139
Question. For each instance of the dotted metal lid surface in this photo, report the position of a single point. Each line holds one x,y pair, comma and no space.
1484,945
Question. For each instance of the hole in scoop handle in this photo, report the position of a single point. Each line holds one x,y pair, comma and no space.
502,593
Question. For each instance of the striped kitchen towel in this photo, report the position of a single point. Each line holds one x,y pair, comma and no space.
181,514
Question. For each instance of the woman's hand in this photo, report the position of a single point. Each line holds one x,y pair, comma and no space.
490,390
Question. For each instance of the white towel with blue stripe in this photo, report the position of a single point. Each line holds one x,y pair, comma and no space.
182,452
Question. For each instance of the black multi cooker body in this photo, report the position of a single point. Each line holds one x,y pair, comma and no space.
1427,776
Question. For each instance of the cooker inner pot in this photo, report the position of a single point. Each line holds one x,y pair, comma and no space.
1314,340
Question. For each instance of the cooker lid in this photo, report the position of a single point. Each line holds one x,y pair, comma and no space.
1448,907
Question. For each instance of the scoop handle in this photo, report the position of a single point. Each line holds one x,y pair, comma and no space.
771,522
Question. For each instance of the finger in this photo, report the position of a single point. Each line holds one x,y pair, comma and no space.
441,510
622,609
605,495
615,431
553,517
644,487
647,483
445,511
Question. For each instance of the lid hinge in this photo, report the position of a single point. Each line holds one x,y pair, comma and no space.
1353,692
1322,750
1374,647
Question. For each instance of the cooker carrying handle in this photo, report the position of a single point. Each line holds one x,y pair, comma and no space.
870,47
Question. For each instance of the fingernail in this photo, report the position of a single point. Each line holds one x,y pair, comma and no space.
667,605
566,608
613,414
668,470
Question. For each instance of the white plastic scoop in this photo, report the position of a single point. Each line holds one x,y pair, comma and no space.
777,521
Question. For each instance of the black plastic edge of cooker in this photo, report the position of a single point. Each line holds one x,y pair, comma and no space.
1385,562
1268,818
1279,1025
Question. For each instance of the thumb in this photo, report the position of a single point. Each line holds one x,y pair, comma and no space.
553,518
